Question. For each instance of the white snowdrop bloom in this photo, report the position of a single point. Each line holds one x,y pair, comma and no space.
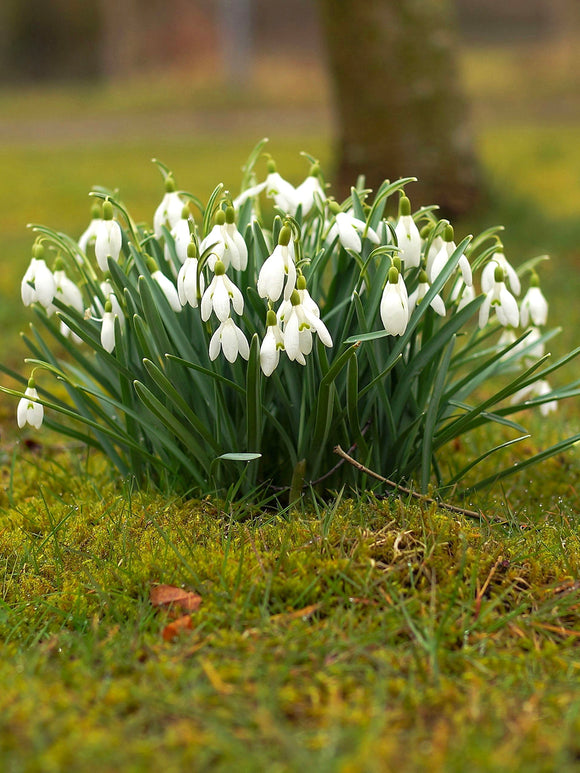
448,247
279,189
534,306
108,328
539,388
38,282
29,411
89,235
218,295
235,252
417,296
187,283
109,295
500,299
465,293
68,293
346,226
272,344
433,250
181,238
216,241
168,213
278,267
299,325
230,339
249,193
108,238
487,275
308,190
394,307
408,236
168,288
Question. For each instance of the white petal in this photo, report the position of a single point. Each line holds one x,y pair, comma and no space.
108,331
229,341
215,343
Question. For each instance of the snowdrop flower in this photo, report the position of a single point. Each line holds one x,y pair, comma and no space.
408,236
271,345
422,289
187,279
309,190
230,339
68,293
279,189
216,241
218,295
465,293
534,306
500,299
277,267
346,227
29,411
394,305
434,247
168,213
90,234
108,238
226,242
445,252
537,389
166,285
40,277
108,328
236,252
487,275
299,325
108,294
181,238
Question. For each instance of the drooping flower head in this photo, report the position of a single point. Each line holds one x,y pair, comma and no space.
38,282
309,190
168,213
500,299
348,228
421,291
189,280
167,287
510,277
408,236
30,411
89,235
218,295
272,344
534,306
299,325
279,266
108,239
394,307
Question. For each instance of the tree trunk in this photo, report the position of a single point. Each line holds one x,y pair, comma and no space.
398,102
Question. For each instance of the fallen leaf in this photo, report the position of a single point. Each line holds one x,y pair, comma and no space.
296,614
177,627
169,595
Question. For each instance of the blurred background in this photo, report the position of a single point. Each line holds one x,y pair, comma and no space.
480,99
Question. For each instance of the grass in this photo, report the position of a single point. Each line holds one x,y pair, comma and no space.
359,635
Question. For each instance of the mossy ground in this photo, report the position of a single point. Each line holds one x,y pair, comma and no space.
365,634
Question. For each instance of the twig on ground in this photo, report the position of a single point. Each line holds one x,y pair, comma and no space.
429,500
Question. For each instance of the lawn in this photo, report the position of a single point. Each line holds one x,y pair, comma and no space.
357,634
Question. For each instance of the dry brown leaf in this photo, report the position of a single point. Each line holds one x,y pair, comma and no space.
170,596
177,627
296,614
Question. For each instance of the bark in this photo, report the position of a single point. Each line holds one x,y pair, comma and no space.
399,106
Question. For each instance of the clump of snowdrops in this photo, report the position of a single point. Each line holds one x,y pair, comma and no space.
215,347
